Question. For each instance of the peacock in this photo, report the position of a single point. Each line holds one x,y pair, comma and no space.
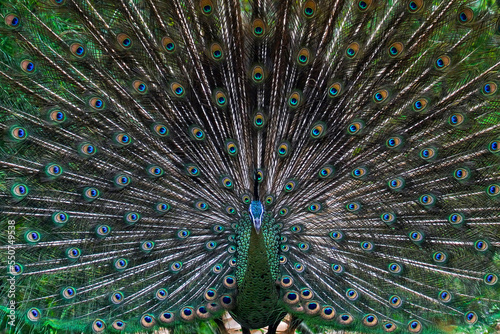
334,163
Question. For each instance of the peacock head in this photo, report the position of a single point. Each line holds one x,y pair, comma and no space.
256,211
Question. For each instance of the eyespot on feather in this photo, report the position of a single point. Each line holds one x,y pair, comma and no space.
303,56
258,74
309,8
97,103
465,15
207,7
177,89
28,66
12,21
258,28
295,99
147,321
168,44
442,62
140,87
78,50
380,96
352,50
259,120
420,104
395,49
124,41
335,89
216,52
415,6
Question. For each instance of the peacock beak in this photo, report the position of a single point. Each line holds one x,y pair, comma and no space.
257,223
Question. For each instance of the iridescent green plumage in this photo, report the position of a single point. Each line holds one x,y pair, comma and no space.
258,299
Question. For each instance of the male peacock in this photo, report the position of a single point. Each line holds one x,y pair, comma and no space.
165,161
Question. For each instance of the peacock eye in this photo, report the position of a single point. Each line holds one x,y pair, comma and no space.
139,86
283,149
359,173
415,5
466,15
353,207
284,211
201,205
388,217
414,326
193,170
206,7
33,314
456,119
442,62
27,66
12,21
216,52
258,74
352,50
259,120
337,235
147,321
427,200
168,44
326,172
131,218
345,319
471,317
96,103
314,207
493,190
118,325
395,49
177,89
122,139
259,28
230,210
309,8
367,246
335,89
380,96
337,268
160,130
298,267
439,257
246,198
176,266
197,133
318,130
490,279
103,231
303,56
147,246
124,41
77,50
420,104
489,88
290,186
294,99
355,127
370,320
68,293
395,301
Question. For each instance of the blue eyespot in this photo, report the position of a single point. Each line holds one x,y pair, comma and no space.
12,20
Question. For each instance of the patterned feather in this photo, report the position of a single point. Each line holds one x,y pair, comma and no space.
165,162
